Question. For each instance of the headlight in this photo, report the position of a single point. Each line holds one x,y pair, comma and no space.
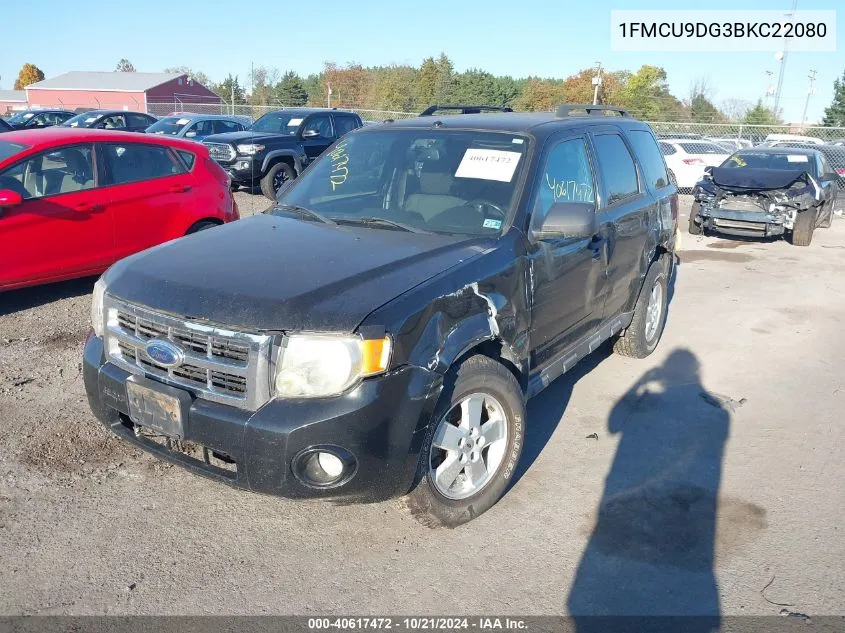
97,316
317,365
249,148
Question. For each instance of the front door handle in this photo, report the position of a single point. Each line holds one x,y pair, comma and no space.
179,188
86,207
598,244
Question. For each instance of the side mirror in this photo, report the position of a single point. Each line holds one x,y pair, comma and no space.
831,176
568,219
708,170
190,134
310,134
9,198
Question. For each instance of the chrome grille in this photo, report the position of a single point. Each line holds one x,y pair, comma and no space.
221,151
219,364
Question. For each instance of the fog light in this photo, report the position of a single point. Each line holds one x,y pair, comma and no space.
324,466
243,165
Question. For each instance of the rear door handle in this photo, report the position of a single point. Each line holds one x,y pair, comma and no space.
179,188
86,207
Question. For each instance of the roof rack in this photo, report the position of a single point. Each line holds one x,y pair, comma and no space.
465,109
567,109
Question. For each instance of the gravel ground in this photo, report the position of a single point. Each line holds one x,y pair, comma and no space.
717,466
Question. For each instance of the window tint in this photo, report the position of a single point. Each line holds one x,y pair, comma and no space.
667,149
702,148
566,176
187,158
139,120
616,167
344,124
113,122
133,162
650,158
322,123
201,128
221,127
55,172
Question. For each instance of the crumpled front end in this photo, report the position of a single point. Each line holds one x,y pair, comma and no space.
754,206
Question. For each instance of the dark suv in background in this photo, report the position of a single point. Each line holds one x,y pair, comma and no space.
112,120
279,145
29,119
377,332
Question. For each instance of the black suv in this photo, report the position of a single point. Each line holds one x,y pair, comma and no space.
29,119
377,332
120,120
279,145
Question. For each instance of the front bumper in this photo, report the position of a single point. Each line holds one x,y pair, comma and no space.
382,423
243,169
740,223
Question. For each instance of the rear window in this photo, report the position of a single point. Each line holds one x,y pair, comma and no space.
703,148
650,158
617,169
8,150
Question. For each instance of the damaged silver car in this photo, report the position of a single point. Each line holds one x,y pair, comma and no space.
764,192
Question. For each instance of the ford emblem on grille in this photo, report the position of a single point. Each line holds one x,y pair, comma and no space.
164,353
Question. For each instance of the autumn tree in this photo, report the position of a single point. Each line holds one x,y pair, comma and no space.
834,114
290,90
540,95
124,66
350,84
392,88
29,74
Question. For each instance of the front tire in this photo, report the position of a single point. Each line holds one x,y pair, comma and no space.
202,226
472,446
802,229
694,229
642,336
275,177
828,217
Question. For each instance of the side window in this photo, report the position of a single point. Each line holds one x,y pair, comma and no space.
344,124
187,158
114,122
618,173
134,162
667,149
37,120
201,128
566,176
221,127
65,170
650,158
320,123
820,166
138,120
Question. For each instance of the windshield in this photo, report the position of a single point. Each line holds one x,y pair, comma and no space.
280,122
170,125
21,117
10,149
442,181
82,120
766,160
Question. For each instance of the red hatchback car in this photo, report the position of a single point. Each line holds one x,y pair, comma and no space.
72,201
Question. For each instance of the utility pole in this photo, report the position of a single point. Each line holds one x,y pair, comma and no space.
597,84
328,95
810,91
781,57
770,87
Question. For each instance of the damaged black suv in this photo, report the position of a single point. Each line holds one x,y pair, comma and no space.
378,331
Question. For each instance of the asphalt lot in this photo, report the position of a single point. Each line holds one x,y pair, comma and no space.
717,467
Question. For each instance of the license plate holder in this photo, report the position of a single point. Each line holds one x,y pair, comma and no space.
157,407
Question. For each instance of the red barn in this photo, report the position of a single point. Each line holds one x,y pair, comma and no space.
158,93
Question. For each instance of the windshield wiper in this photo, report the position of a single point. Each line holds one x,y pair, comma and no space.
295,208
382,222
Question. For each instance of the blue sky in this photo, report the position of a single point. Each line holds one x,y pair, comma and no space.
519,38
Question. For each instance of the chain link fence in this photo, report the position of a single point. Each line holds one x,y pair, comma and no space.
255,112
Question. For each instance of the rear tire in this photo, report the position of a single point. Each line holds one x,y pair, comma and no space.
447,495
202,226
642,336
694,229
275,177
802,229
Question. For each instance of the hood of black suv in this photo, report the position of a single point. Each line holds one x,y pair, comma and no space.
276,273
246,136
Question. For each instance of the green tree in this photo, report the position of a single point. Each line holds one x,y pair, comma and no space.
230,89
197,75
444,87
761,115
290,90
29,74
477,86
834,114
392,88
427,82
646,95
124,66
